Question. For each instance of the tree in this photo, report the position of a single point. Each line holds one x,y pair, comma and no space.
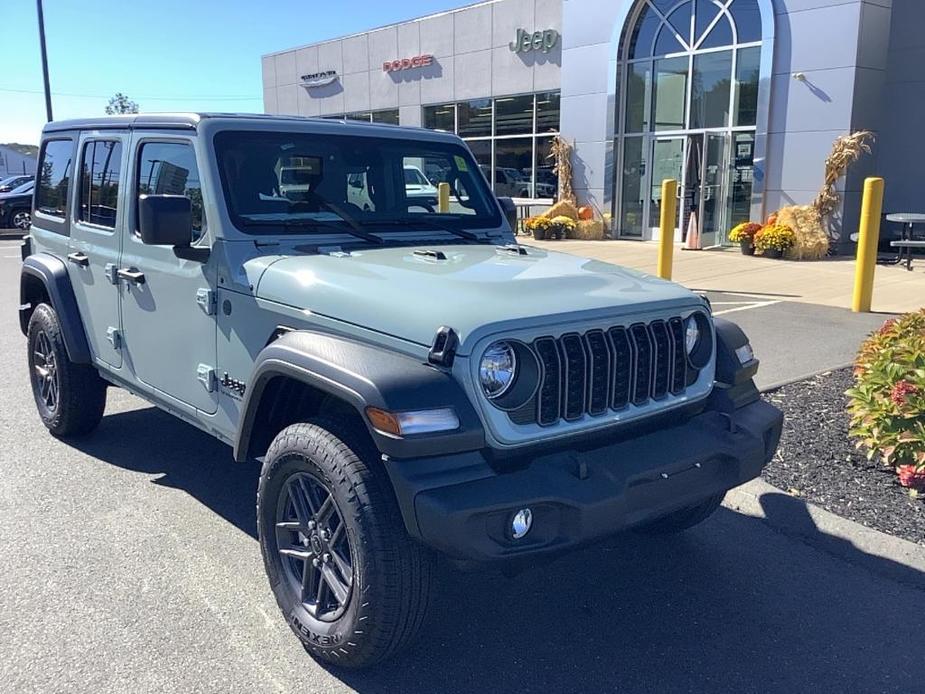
120,103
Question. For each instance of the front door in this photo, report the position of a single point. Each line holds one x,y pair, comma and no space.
667,162
168,312
714,189
95,242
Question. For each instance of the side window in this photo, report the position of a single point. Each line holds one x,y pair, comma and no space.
169,168
101,165
54,178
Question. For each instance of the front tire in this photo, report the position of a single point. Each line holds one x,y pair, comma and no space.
682,519
351,583
70,397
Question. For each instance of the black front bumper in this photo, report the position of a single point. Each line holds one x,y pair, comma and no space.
463,506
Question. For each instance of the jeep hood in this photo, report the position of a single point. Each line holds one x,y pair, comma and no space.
409,295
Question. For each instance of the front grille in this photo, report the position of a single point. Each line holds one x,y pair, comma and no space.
600,371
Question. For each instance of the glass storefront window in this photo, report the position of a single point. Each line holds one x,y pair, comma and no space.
748,20
638,96
710,92
691,71
359,115
670,93
745,109
546,181
442,117
474,118
547,112
513,167
514,115
389,116
481,150
644,34
509,137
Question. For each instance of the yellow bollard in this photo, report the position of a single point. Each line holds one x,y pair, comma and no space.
666,227
868,238
443,197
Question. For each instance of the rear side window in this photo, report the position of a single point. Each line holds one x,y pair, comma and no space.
54,178
169,168
99,182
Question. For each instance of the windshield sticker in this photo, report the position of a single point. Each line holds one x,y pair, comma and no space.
460,163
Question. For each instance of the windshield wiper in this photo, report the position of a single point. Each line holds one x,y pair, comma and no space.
420,223
297,222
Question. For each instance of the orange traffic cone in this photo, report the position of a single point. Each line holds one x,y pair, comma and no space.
693,234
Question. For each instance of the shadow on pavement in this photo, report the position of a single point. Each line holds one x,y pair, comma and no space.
728,606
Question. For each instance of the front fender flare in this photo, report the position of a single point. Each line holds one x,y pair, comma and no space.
363,375
52,273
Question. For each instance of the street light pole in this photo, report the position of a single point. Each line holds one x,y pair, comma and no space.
38,4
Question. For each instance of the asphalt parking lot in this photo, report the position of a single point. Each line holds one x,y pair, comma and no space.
128,563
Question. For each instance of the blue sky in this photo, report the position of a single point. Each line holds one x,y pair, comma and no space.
168,55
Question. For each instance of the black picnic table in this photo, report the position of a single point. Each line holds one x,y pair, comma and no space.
907,240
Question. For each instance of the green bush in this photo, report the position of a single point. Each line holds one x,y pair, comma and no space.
887,404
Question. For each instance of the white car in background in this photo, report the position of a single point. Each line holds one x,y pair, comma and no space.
418,189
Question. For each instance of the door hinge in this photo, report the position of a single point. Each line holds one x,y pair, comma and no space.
110,270
206,300
114,337
206,375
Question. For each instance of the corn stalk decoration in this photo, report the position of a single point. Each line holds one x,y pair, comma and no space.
846,150
561,152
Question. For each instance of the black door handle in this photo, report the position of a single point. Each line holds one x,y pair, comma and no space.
78,259
132,275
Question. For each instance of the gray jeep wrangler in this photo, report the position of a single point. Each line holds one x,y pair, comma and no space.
411,380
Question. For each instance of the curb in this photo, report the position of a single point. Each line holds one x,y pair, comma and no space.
805,377
11,234
898,559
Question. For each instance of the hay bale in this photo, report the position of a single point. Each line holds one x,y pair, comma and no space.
812,242
563,208
588,230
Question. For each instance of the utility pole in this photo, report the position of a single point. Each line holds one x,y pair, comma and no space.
38,4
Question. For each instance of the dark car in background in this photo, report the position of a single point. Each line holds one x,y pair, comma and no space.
16,207
11,183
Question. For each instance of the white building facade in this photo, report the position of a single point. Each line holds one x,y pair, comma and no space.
739,100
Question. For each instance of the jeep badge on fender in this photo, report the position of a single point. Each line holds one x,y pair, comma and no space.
347,306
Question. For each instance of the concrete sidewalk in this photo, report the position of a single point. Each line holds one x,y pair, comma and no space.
827,282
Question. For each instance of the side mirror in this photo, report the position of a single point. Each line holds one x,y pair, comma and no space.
165,220
509,209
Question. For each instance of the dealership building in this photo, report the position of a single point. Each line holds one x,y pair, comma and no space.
739,100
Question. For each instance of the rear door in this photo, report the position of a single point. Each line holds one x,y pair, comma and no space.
168,310
93,250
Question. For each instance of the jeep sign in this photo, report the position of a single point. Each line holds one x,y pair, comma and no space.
525,42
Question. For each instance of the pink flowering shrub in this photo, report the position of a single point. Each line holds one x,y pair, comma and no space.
887,404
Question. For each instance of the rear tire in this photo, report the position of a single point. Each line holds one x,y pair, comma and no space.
682,519
376,578
70,397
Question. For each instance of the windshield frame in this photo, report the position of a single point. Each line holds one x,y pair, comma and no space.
491,220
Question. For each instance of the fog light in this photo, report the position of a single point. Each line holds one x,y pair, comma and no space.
521,523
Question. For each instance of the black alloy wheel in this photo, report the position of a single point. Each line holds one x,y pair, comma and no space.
45,378
314,546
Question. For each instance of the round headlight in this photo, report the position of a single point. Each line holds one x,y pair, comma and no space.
496,370
691,334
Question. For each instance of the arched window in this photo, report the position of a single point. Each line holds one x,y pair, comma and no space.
689,72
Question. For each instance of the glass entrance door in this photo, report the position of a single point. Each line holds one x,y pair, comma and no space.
667,162
714,188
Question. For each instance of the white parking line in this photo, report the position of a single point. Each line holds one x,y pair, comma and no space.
748,306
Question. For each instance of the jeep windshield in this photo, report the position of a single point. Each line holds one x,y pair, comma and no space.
298,183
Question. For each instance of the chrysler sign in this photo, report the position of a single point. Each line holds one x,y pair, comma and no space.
319,79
